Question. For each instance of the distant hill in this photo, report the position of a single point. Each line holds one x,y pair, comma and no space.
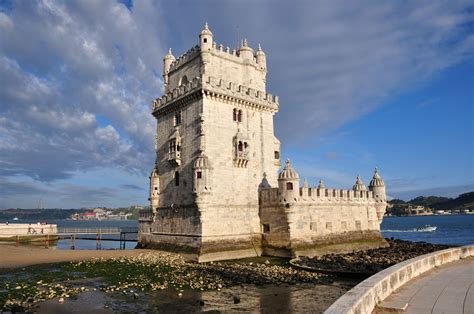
463,201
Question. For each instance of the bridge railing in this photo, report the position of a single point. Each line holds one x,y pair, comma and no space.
114,230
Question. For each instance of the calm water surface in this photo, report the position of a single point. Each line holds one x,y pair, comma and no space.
451,229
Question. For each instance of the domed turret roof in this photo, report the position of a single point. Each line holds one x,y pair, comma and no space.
202,162
169,55
321,184
264,184
376,179
260,51
245,46
359,185
206,30
288,172
154,173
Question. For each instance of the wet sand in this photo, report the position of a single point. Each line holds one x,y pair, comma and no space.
12,256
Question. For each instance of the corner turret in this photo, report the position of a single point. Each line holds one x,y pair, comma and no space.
245,52
261,58
154,190
377,186
201,169
289,182
206,39
167,60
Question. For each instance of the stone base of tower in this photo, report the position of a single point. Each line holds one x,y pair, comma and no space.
331,244
204,249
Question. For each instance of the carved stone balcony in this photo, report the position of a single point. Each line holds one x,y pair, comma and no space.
241,159
174,158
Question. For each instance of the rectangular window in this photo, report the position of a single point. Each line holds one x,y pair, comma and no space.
313,226
289,186
277,154
176,178
266,228
358,225
199,174
329,225
177,118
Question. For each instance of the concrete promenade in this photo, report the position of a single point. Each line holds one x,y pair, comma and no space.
438,282
445,289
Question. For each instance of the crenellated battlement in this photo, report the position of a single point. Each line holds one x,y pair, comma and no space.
272,196
185,89
219,87
240,92
188,55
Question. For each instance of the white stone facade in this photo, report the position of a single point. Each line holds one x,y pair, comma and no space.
217,159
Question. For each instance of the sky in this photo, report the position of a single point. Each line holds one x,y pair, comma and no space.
361,84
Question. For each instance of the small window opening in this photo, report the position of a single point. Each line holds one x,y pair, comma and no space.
205,40
234,116
177,118
176,178
246,146
266,228
277,154
289,186
240,147
199,174
239,116
156,188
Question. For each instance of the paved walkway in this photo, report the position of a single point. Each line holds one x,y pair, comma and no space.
445,289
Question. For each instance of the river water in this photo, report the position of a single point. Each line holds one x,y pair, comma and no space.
451,229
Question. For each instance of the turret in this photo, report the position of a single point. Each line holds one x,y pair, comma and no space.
245,52
261,58
201,169
359,185
167,60
377,186
289,182
154,189
206,39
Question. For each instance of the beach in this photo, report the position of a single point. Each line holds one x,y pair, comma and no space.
12,256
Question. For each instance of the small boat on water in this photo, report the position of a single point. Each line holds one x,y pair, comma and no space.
15,219
426,228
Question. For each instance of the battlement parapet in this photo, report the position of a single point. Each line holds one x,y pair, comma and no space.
179,92
185,57
219,51
317,196
243,93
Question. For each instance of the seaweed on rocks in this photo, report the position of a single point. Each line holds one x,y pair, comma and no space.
371,261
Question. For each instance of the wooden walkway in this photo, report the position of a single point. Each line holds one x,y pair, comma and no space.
445,289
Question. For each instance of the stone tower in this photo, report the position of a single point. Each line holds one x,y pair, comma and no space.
215,141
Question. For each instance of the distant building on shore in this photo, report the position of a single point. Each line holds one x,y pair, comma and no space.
216,191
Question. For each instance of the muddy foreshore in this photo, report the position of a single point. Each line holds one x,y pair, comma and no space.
155,281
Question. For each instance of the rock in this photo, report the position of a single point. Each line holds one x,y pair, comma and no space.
201,302
236,299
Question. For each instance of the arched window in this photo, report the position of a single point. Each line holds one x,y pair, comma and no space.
240,147
234,116
183,80
176,178
245,146
239,116
289,186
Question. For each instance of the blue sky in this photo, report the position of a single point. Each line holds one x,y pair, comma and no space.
361,84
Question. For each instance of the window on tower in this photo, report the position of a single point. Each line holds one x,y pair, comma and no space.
234,115
239,116
176,178
289,186
177,118
199,175
277,154
205,40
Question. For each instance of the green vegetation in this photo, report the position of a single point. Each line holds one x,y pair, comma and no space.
462,202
